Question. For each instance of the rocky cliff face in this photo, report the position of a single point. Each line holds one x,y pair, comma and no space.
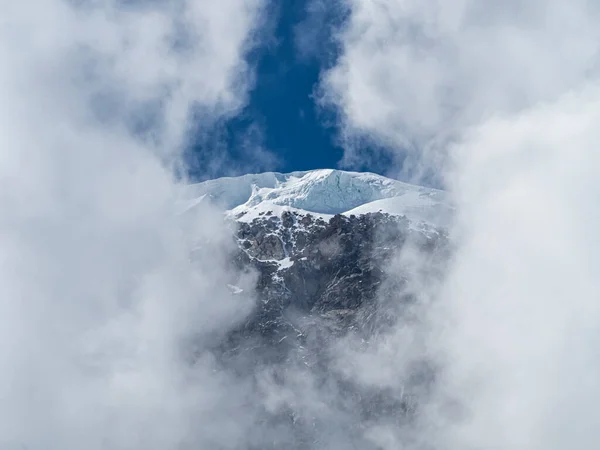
317,282
318,267
339,263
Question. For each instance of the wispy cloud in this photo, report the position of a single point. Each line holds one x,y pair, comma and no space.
501,99
99,290
97,286
522,292
413,75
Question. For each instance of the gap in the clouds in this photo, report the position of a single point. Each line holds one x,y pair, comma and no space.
281,127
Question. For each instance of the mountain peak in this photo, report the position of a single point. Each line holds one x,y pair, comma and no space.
323,192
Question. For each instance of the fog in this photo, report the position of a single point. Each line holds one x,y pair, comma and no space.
98,290
112,298
501,99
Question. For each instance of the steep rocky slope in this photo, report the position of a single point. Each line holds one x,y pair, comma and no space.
322,278
331,268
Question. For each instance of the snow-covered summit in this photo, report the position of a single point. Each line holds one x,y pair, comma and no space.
322,193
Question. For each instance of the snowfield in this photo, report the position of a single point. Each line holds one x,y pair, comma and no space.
322,193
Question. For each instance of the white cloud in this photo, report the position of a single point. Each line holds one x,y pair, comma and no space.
97,289
506,95
414,74
521,294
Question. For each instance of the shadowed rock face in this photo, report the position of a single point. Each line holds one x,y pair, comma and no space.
318,282
318,267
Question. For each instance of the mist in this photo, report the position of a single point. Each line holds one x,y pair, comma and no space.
413,76
501,100
99,290
114,293
521,293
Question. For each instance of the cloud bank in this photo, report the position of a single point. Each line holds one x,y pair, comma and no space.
414,75
98,290
521,294
501,99
107,316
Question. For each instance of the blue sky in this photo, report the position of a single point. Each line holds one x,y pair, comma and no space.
282,115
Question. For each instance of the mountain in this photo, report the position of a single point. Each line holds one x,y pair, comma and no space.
326,249
322,243
323,193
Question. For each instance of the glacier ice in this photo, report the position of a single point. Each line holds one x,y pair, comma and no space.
324,193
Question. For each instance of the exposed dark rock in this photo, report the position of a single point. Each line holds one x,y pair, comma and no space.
287,219
336,281
335,266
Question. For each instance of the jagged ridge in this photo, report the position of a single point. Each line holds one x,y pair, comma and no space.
323,193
